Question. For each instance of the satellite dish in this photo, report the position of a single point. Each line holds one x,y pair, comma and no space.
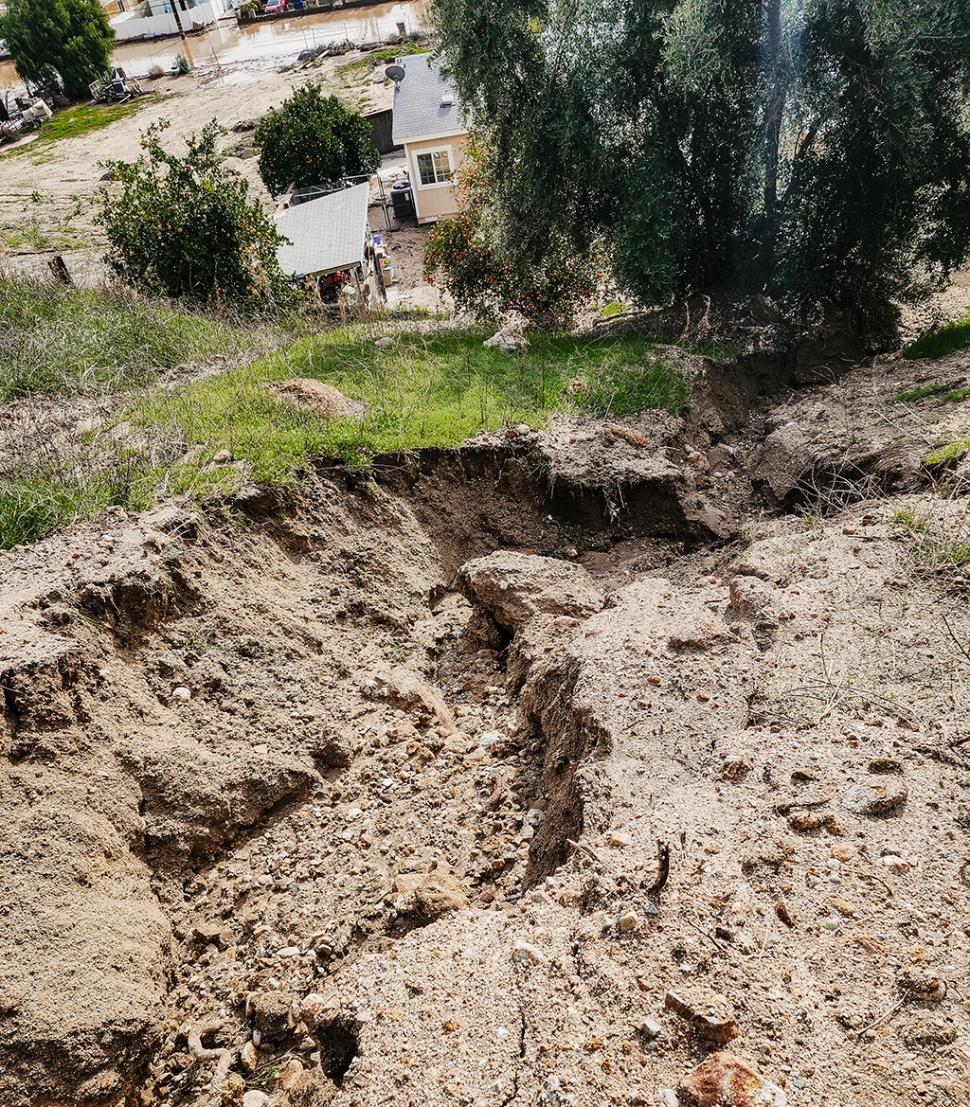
395,72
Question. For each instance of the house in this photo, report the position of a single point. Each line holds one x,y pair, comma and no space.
325,235
427,123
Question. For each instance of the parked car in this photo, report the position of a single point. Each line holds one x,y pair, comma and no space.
275,7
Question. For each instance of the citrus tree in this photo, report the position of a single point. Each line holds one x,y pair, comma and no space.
58,43
311,139
183,226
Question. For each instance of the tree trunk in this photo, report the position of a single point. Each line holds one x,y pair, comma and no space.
774,113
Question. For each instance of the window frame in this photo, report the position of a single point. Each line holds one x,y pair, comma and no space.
430,152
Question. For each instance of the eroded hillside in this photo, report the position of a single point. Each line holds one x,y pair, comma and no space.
536,772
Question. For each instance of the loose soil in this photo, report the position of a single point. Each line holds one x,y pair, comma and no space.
354,796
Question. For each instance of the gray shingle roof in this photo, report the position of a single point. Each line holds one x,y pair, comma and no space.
418,110
326,234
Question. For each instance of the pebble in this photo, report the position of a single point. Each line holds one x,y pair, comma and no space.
651,1028
628,921
710,1014
181,693
255,1098
731,1082
248,1057
524,952
619,838
875,798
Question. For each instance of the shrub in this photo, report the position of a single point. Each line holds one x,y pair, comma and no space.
311,139
183,227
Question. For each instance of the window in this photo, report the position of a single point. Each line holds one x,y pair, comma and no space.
434,167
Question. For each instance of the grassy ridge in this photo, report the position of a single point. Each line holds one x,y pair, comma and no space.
945,341
433,387
436,389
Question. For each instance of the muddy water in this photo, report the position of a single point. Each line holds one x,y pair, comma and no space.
227,43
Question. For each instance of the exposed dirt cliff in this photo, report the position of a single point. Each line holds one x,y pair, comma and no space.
536,772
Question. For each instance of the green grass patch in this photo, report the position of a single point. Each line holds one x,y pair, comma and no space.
386,56
427,389
919,393
436,388
957,396
945,341
56,340
906,517
947,455
80,120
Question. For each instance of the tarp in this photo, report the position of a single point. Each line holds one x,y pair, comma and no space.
327,234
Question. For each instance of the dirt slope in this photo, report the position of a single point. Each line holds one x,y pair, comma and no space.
296,810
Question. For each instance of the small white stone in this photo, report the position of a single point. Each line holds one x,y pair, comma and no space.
181,693
254,1098
523,951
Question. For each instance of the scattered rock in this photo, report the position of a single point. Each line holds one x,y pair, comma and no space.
509,338
249,1057
927,1030
724,1080
628,921
804,821
710,1014
651,1029
270,1012
871,798
843,906
514,587
439,894
921,986
322,399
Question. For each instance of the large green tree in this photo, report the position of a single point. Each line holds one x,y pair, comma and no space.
69,40
311,139
183,226
818,150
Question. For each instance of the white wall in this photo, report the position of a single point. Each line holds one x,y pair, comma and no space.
129,26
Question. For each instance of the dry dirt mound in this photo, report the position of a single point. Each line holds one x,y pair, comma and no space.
289,815
320,398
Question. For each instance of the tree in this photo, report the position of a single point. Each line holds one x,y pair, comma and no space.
183,227
58,43
312,139
816,150
463,254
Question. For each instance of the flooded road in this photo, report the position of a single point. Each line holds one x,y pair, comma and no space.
275,40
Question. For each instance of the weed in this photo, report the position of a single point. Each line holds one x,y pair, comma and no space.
252,648
182,65
957,396
947,454
945,341
717,351
438,389
906,517
79,120
64,341
614,307
919,393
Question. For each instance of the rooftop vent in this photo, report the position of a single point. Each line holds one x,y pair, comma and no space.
447,99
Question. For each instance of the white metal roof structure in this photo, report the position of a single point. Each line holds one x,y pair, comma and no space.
425,104
326,235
